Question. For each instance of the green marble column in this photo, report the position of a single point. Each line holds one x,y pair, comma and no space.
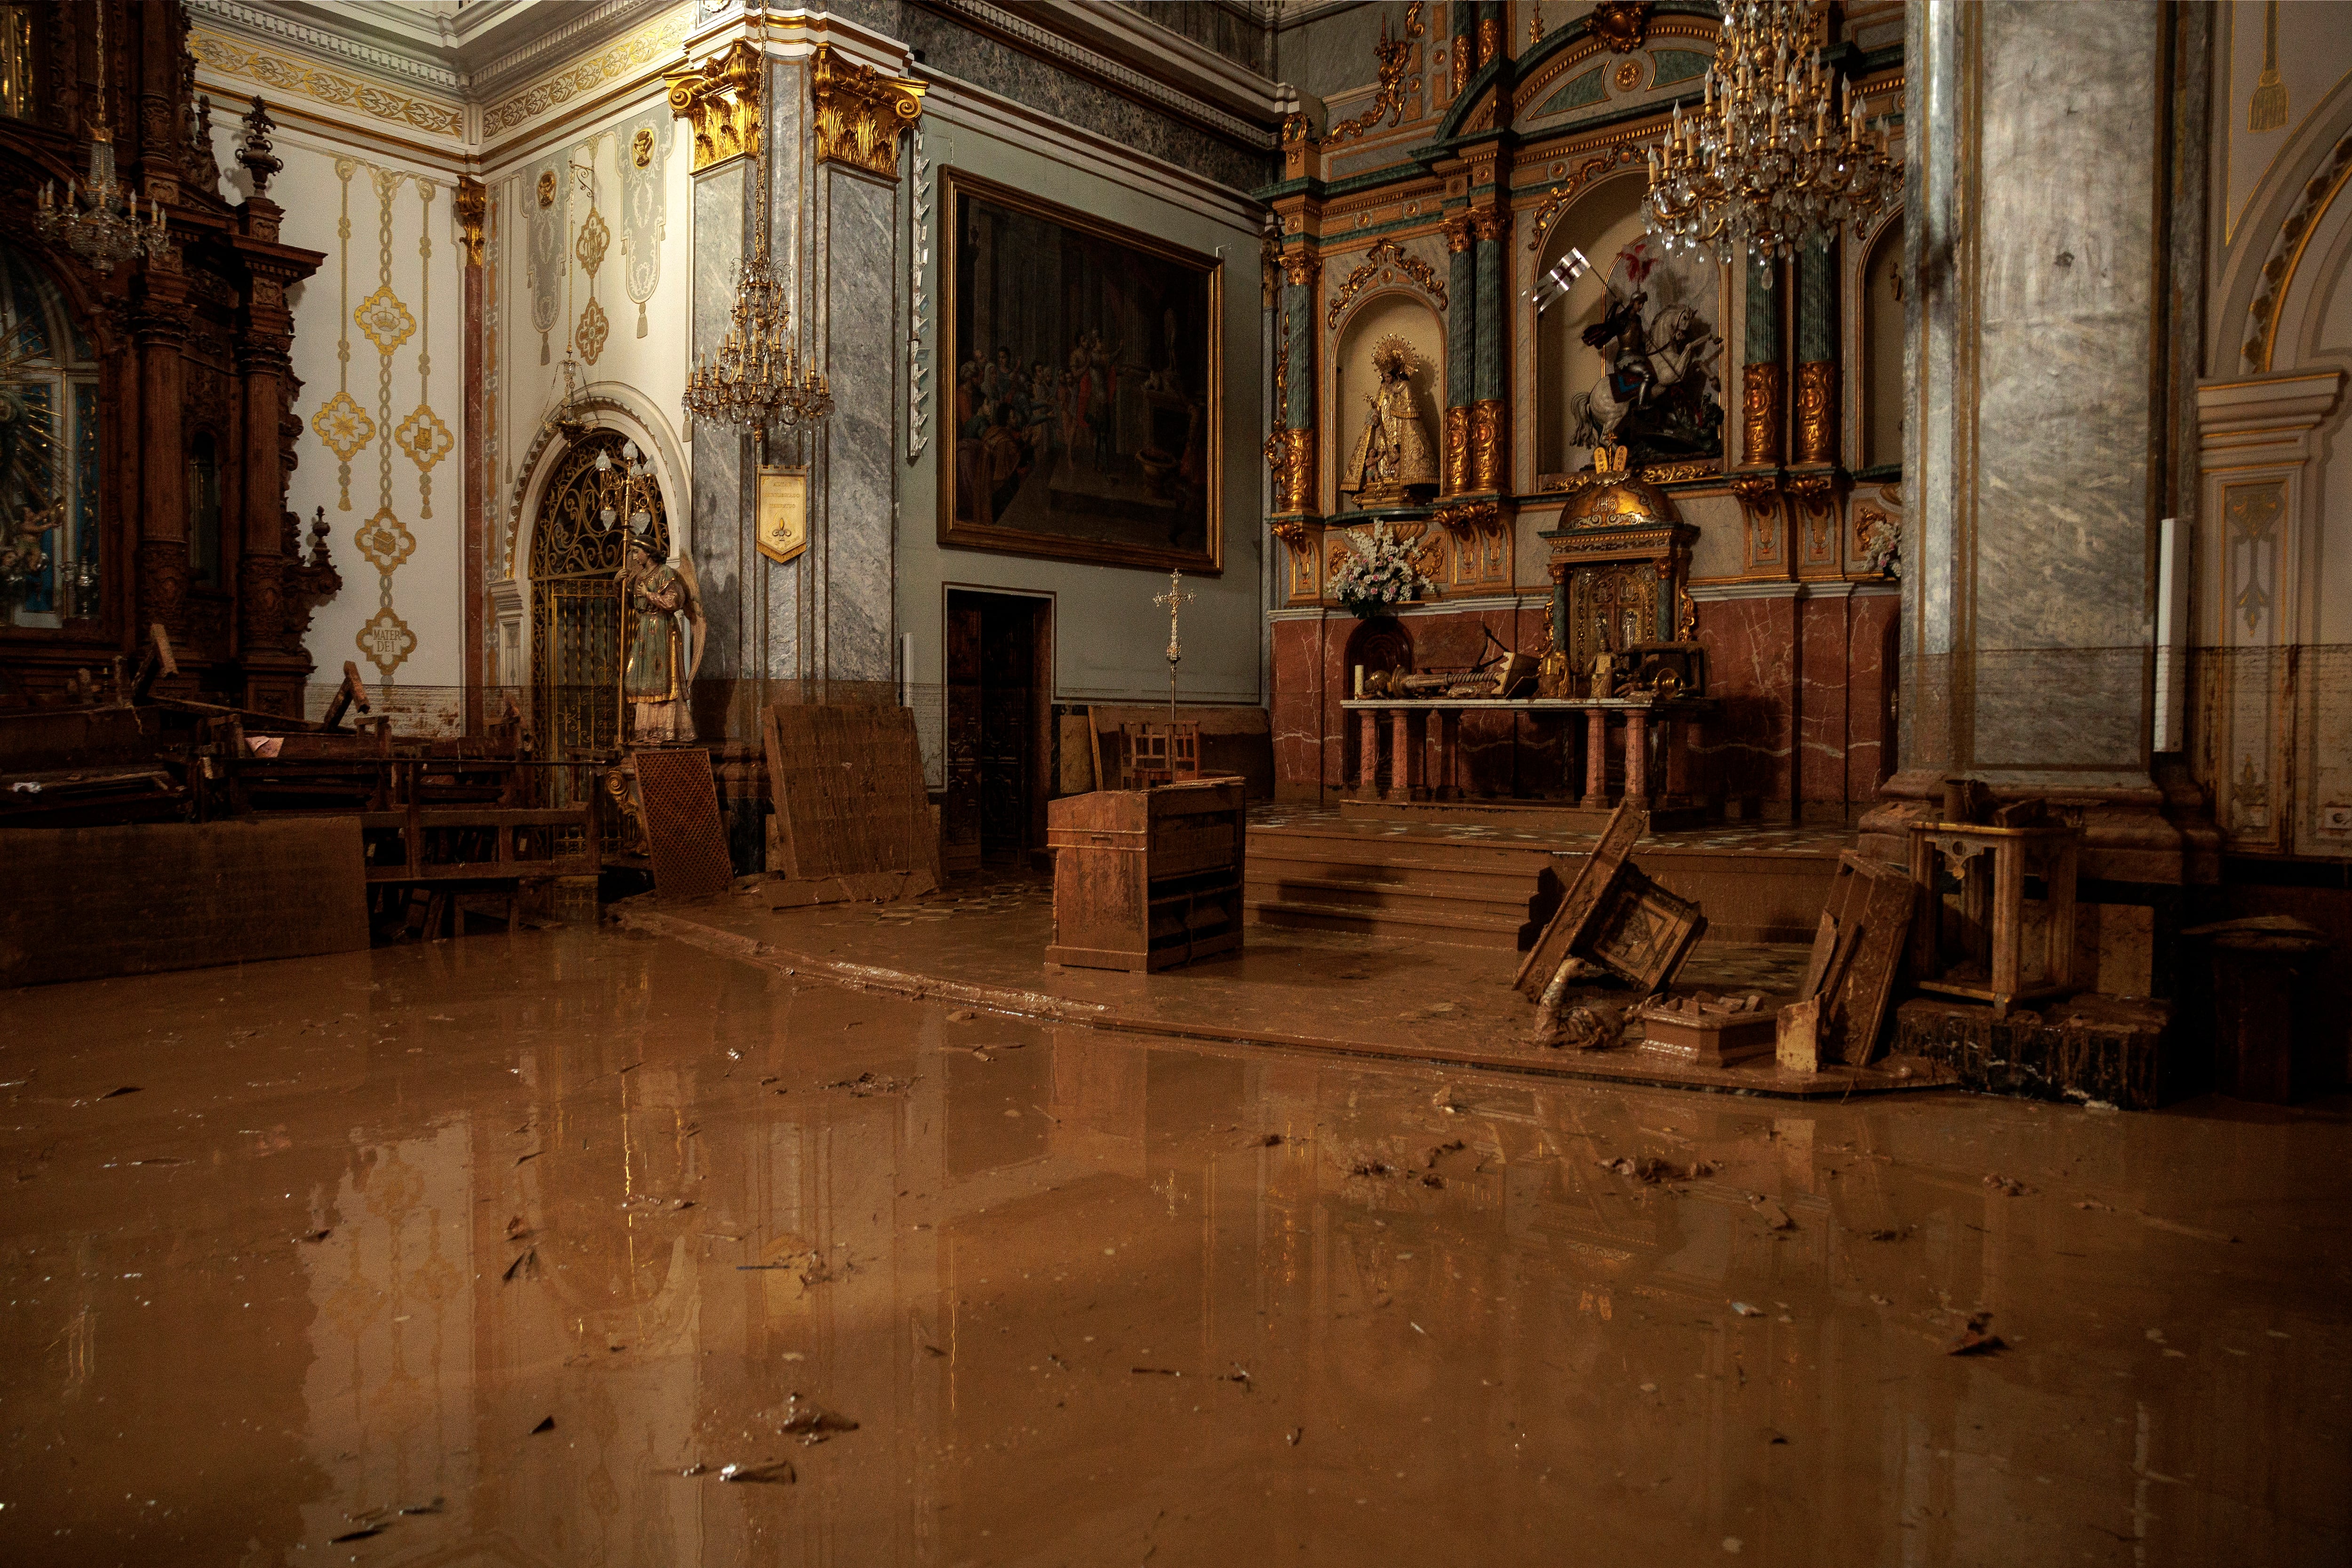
1817,340
1764,387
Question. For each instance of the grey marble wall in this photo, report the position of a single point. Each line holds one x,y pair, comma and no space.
790,645
861,346
2037,427
718,530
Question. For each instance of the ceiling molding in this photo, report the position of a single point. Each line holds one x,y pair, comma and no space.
469,52
1144,40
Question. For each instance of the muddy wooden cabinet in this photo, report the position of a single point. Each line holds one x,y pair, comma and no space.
1147,879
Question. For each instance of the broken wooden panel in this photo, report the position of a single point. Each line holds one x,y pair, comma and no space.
683,837
847,785
1578,907
1857,954
1642,932
90,903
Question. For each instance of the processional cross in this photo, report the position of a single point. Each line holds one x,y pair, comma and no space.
1175,599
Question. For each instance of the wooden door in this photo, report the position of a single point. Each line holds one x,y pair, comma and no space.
960,823
1008,667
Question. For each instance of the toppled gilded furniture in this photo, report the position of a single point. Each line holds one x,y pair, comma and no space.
1612,920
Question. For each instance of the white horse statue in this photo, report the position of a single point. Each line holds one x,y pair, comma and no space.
1684,347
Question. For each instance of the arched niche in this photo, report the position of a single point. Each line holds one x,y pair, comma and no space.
1683,313
606,405
1391,312
51,472
1881,367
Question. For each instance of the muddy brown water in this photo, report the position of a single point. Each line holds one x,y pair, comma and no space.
369,1225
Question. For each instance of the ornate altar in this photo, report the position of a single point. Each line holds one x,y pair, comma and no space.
1620,558
147,375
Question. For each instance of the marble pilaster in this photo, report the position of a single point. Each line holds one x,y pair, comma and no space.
720,532
852,547
2038,171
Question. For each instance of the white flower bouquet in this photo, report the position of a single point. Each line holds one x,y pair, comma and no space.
1379,576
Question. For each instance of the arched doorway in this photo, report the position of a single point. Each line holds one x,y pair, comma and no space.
577,646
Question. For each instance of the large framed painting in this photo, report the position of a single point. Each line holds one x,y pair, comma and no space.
1083,418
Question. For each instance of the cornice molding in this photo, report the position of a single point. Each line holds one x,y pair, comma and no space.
1085,61
595,25
272,26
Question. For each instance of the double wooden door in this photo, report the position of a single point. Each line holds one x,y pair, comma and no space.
999,689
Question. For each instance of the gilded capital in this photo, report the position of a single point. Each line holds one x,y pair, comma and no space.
1302,267
1461,233
1492,223
721,97
860,112
471,204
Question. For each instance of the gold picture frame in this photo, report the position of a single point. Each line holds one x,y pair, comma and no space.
1101,451
781,517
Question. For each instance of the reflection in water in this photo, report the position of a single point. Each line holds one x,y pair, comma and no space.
1088,1300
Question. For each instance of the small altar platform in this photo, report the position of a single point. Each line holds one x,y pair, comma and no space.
1628,749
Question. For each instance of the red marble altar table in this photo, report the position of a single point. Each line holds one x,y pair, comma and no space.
1653,743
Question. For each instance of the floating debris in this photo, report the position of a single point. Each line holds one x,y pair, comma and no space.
546,1424
1976,1339
1654,1170
778,1472
867,1083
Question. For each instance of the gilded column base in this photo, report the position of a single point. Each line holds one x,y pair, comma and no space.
1294,476
1485,458
1763,393
1816,429
1457,450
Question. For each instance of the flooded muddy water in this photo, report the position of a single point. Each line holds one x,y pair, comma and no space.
505,1251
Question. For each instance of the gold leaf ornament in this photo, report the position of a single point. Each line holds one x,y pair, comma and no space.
385,540
424,438
595,239
594,329
384,320
343,426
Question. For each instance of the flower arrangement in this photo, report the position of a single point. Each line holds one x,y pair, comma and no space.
1379,576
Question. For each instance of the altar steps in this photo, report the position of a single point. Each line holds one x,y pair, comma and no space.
1482,889
1445,890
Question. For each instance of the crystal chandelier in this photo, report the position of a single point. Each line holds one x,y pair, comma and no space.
1778,155
756,380
99,220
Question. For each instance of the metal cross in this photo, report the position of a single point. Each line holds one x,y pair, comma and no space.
1175,599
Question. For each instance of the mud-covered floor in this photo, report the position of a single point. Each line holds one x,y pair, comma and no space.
501,1251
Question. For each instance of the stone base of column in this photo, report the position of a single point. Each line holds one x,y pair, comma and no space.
2158,832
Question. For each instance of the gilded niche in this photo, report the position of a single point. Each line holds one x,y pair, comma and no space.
860,112
721,97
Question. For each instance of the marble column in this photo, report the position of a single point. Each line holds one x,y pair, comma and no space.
1817,422
1296,489
852,541
1489,425
718,530
1461,349
2039,169
1763,378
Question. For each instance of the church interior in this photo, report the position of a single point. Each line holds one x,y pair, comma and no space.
1354,779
